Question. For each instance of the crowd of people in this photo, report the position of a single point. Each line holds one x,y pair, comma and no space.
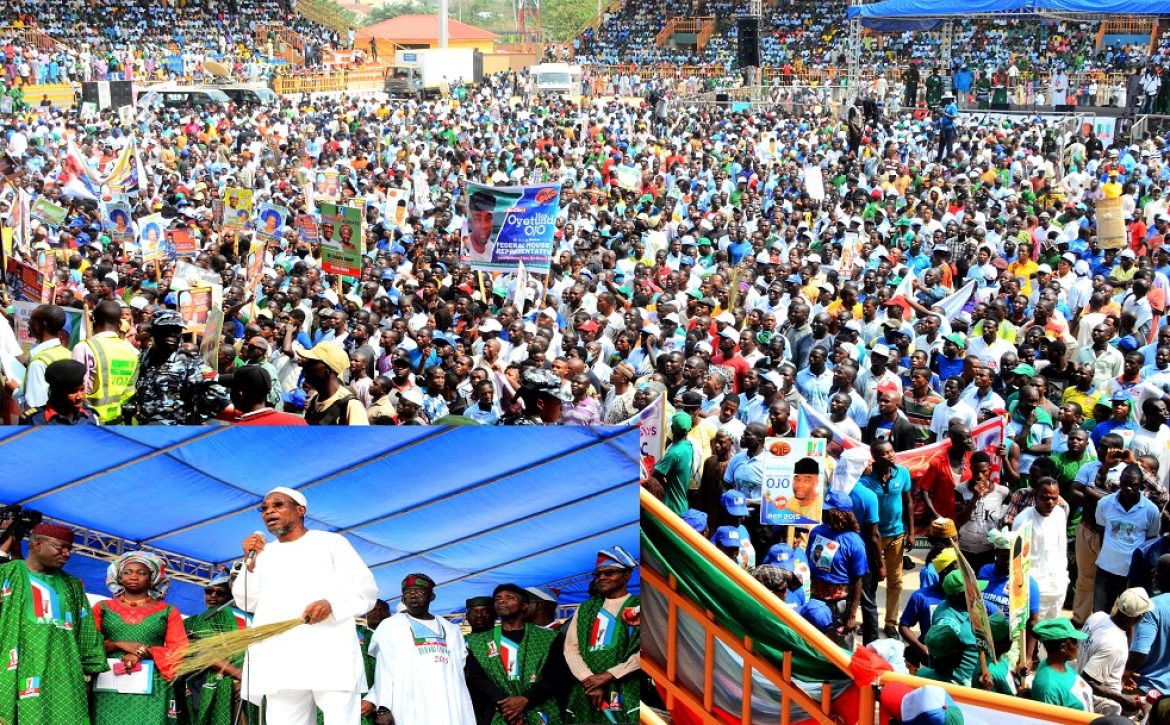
511,663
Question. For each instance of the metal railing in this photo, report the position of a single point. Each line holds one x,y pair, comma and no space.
667,610
336,81
322,12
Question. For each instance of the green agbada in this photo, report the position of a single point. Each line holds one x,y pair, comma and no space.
211,697
534,651
625,643
49,643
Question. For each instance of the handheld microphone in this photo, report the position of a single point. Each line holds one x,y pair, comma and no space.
251,557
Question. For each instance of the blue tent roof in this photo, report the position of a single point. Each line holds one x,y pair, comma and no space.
470,506
873,14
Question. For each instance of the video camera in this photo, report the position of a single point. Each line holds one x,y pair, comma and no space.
20,521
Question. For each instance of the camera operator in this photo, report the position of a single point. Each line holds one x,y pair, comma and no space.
20,523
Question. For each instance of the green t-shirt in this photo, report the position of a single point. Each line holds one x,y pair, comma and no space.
946,615
1001,676
675,467
1066,689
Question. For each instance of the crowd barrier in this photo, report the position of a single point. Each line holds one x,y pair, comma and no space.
703,667
338,81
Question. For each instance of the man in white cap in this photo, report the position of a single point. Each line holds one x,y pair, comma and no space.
317,577
542,608
1102,657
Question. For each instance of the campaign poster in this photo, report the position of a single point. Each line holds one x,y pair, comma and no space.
47,266
977,610
510,224
1110,224
24,281
651,422
328,185
73,333
217,213
814,183
254,264
629,178
46,211
341,240
181,242
988,437
195,306
394,210
209,345
793,486
270,220
237,208
118,222
307,231
151,237
1019,569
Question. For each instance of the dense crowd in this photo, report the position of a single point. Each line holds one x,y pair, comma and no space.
884,283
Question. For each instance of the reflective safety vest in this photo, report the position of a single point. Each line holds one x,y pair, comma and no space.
116,365
48,356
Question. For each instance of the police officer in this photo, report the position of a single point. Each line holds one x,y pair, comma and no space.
542,394
110,361
175,386
66,406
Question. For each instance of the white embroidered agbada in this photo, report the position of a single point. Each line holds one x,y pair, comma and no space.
418,674
288,577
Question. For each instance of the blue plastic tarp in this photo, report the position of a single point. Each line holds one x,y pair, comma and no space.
470,506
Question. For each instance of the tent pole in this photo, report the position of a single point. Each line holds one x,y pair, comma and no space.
948,40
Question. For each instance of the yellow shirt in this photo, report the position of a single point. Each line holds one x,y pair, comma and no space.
1024,270
1111,189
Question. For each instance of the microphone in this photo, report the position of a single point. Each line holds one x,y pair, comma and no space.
251,557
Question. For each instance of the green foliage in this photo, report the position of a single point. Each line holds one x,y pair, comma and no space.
393,10
560,19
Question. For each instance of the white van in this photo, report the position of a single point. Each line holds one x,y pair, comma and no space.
560,78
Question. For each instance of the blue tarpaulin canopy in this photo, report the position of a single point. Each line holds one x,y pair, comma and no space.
470,506
899,15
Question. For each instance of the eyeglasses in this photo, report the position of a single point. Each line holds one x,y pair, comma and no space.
611,571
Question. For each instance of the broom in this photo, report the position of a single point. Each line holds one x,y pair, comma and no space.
199,654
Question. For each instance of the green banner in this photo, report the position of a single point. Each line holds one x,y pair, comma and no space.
734,609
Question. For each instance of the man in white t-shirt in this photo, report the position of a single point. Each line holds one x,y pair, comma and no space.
1103,655
952,408
1049,523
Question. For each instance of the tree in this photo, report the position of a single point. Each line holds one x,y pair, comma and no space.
560,19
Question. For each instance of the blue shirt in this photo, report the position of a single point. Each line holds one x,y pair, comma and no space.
746,474
1150,639
996,594
836,557
889,498
865,506
920,609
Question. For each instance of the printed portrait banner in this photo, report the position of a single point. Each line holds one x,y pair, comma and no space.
988,437
47,266
151,236
307,229
48,212
24,281
395,208
237,208
255,264
209,345
119,222
181,243
341,239
510,224
1019,569
195,306
74,325
328,185
793,490
651,422
1110,224
270,219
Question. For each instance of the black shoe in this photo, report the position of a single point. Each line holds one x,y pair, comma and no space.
907,564
891,633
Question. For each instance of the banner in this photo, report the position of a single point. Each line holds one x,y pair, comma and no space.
270,220
181,243
48,212
792,493
1019,570
195,306
341,240
328,185
24,281
47,266
1110,224
209,345
74,325
150,237
509,225
118,221
977,610
651,422
953,304
394,210
307,229
988,437
814,183
254,265
237,208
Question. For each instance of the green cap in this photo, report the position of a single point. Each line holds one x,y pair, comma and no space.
1057,628
1000,629
704,242
1024,369
645,198
902,223
682,422
958,339
944,638
953,583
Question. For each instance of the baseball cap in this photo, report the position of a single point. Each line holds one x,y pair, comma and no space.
816,613
726,536
734,502
1024,369
880,349
412,395
945,558
1133,603
1056,629
781,555
696,519
328,352
839,501
958,339
953,583
1127,253
730,333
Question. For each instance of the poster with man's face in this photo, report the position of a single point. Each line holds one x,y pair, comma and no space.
793,487
507,225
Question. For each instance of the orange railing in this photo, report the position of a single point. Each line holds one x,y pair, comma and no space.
667,32
700,701
696,26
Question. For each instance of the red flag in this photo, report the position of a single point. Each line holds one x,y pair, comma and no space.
917,460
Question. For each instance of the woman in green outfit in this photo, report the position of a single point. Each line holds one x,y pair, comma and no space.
143,631
1056,682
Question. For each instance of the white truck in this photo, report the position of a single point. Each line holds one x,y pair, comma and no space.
419,74
560,78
